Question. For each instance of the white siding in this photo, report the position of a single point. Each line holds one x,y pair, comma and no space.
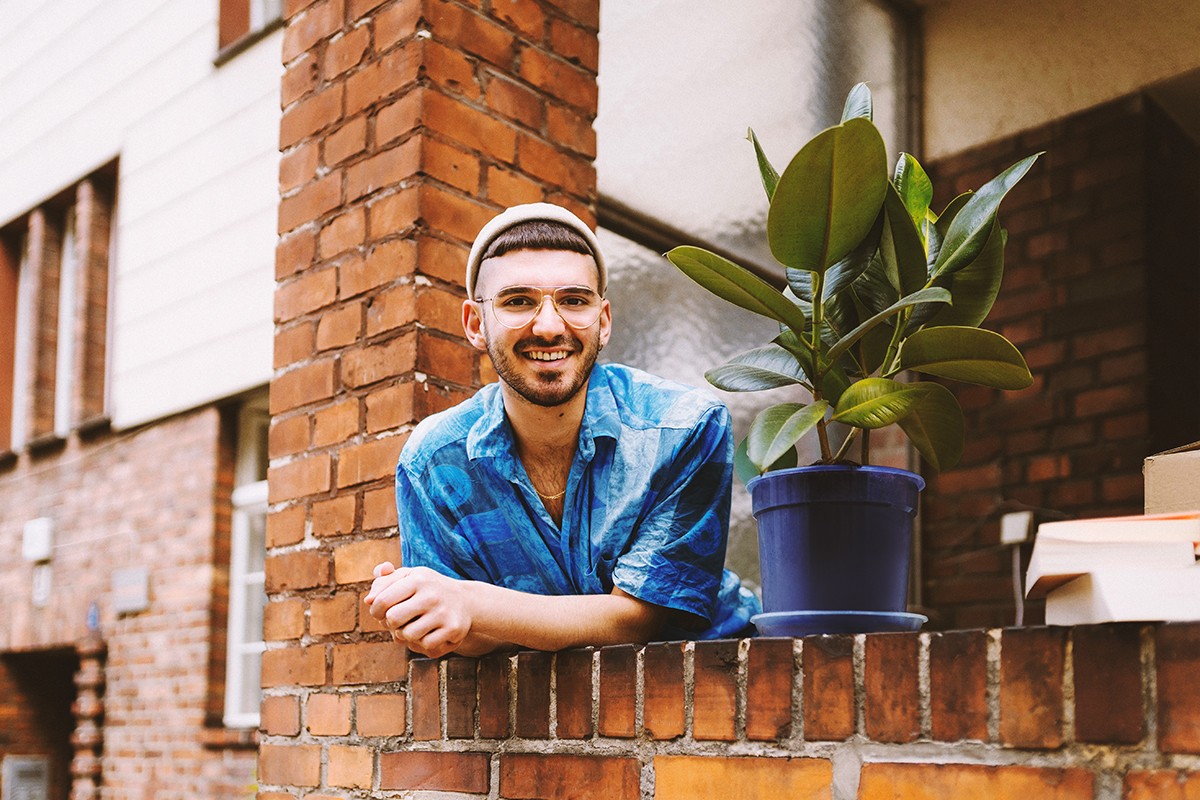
86,81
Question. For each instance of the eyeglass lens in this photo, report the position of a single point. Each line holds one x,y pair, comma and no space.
517,306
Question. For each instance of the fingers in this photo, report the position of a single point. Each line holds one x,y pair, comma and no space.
386,568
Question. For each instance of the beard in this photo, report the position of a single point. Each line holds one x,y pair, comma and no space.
544,386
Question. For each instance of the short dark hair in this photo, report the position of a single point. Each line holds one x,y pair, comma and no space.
537,234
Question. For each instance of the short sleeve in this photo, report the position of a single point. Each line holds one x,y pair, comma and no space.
677,554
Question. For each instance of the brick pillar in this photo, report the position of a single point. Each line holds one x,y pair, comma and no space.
405,126
88,736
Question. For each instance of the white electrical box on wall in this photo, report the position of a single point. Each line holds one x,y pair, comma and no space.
37,541
25,778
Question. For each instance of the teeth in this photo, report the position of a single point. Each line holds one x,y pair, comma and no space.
542,355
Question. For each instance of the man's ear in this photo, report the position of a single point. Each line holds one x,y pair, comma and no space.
605,323
472,324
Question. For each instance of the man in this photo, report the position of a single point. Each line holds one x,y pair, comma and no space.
570,504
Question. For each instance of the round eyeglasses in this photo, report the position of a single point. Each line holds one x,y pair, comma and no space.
517,306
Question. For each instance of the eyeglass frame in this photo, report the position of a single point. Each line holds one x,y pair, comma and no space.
538,308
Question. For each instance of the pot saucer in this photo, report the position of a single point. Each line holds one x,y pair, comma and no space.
808,623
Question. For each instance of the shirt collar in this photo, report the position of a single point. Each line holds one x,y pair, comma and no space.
491,435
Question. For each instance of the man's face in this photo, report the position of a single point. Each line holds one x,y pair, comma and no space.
547,362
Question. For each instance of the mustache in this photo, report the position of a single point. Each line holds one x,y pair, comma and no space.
539,343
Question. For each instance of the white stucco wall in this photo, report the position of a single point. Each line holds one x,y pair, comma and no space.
86,81
996,67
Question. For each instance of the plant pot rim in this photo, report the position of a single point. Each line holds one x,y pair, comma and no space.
776,474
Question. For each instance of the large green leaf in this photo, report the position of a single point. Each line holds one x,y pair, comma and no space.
972,225
858,103
900,246
914,187
777,429
828,197
932,294
736,285
745,469
976,285
935,229
935,426
973,355
767,367
873,289
770,178
877,402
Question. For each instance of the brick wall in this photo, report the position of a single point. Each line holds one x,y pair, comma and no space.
1102,257
142,498
1036,712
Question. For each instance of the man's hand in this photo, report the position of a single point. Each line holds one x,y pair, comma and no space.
426,611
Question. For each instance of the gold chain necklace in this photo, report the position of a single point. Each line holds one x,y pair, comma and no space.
548,496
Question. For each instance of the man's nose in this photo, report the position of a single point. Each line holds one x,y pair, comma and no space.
547,316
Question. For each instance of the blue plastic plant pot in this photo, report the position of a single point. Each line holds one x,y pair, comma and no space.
835,538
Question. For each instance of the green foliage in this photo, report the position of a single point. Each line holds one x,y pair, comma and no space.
877,284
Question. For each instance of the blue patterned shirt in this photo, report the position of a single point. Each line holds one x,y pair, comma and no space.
646,508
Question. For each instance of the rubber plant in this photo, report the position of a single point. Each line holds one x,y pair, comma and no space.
878,286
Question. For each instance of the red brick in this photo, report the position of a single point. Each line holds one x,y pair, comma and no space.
333,517
958,671
444,772
350,767
283,619
298,166
884,781
559,78
828,669
714,708
285,527
389,408
379,509
368,461
460,697
618,691
493,696
344,232
293,666
1031,687
392,309
400,118
384,169
348,140
1177,653
573,693
294,252
769,675
369,662
384,78
337,614
450,69
394,213
892,694
379,362
575,44
301,386
761,778
473,33
315,23
517,102
313,113
387,262
449,360
469,126
1108,684
506,187
576,176
571,130
395,22
355,561
533,695
300,78
327,714
584,12
662,712
548,777
288,436
336,423
380,714
450,165
292,764
281,715
293,343
442,260
1162,785
305,294
346,51
303,569
426,699
525,16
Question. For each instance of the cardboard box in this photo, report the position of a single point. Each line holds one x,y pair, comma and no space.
1173,480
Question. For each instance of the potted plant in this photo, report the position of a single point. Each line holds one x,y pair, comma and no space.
878,286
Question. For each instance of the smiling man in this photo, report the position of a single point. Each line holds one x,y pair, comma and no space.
569,504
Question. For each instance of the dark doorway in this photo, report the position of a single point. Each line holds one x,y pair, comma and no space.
37,690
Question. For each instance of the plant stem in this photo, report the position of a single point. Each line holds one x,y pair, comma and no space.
865,453
846,444
823,437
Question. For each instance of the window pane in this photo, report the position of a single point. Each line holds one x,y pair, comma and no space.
674,147
253,613
256,521
251,694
